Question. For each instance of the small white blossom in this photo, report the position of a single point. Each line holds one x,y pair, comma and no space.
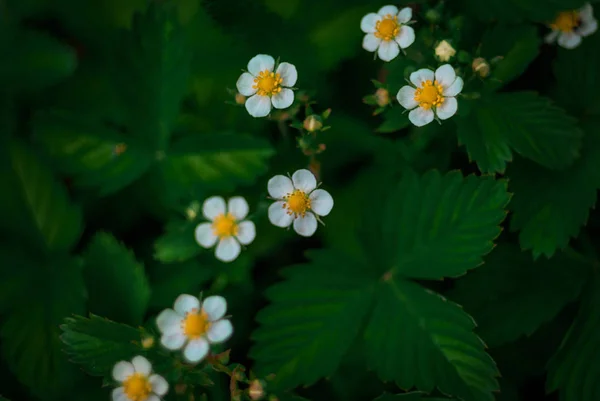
227,226
433,95
267,86
193,325
137,381
571,26
387,31
298,202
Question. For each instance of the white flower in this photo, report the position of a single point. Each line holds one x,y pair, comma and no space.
433,95
194,326
298,201
227,226
266,86
387,32
138,382
570,26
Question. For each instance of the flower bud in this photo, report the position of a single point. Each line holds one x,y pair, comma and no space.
481,67
240,99
382,97
148,342
256,390
444,51
312,123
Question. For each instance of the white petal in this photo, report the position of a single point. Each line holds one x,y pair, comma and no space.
260,63
588,28
385,10
186,303
196,350
447,109
228,249
283,99
122,370
279,186
118,394
406,36
141,365
304,180
288,73
219,331
420,116
420,76
455,88
321,202
445,75
168,320
173,341
551,37
406,97
278,215
306,226
152,397
238,207
159,385
246,232
368,22
213,207
569,40
258,106
586,13
388,50
405,15
205,235
371,42
215,307
244,84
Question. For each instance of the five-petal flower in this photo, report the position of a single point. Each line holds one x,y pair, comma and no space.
387,31
137,381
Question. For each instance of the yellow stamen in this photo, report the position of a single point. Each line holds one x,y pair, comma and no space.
429,95
297,203
137,387
267,83
224,225
566,21
195,324
387,28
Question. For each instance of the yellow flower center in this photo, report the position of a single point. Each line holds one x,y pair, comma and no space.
429,95
566,21
387,28
196,324
137,387
267,83
297,202
224,225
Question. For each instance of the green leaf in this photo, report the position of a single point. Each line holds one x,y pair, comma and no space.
517,44
315,316
527,123
414,396
217,160
550,207
577,74
95,156
97,343
517,10
152,73
394,119
36,207
47,293
38,61
169,281
436,226
178,243
575,367
507,289
116,282
410,327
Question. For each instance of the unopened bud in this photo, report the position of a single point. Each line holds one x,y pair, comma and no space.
312,123
444,51
239,98
256,391
148,342
192,210
119,149
481,67
382,97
